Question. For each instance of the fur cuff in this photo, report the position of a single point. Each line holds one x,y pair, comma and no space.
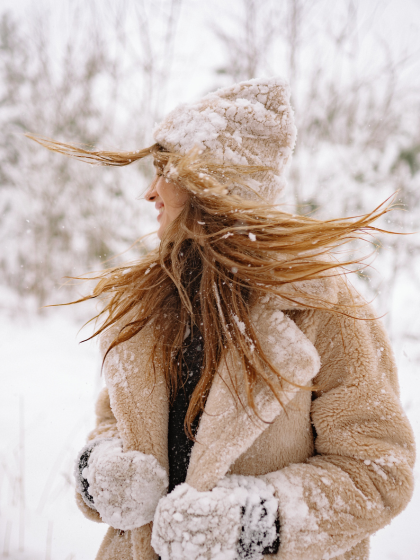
192,525
82,461
126,487
259,511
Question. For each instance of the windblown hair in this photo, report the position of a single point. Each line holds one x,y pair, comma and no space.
214,261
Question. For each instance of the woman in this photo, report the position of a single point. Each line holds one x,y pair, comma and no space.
251,406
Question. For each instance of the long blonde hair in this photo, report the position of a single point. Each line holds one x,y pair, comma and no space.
213,263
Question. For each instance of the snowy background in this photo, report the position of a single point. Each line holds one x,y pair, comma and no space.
102,73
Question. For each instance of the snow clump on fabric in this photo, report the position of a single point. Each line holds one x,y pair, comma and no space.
80,465
249,123
192,525
259,510
126,486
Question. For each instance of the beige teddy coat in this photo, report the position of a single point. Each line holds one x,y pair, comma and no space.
339,457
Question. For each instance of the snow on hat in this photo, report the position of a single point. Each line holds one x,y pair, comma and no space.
249,123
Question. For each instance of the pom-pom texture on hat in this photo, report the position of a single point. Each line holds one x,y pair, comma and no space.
249,123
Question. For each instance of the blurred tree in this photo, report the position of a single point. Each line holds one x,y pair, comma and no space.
356,144
246,35
55,218
59,217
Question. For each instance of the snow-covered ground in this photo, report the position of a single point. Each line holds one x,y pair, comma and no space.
49,383
52,381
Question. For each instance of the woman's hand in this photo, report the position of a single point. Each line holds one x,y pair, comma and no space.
236,520
124,488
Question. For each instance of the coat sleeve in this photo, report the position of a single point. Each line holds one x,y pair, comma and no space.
106,427
106,423
361,474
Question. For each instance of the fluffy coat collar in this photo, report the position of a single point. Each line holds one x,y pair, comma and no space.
228,427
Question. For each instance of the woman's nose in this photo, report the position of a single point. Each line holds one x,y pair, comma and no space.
151,193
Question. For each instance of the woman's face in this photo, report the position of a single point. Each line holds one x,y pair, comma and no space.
169,200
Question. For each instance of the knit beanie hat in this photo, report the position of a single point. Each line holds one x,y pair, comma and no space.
249,123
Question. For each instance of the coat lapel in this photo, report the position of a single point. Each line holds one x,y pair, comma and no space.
228,426
227,429
138,394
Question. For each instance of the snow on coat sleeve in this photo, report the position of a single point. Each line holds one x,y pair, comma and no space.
106,423
125,486
361,475
192,525
106,427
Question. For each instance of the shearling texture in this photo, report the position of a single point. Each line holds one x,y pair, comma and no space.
258,514
82,460
340,458
228,424
106,427
191,525
126,487
250,123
